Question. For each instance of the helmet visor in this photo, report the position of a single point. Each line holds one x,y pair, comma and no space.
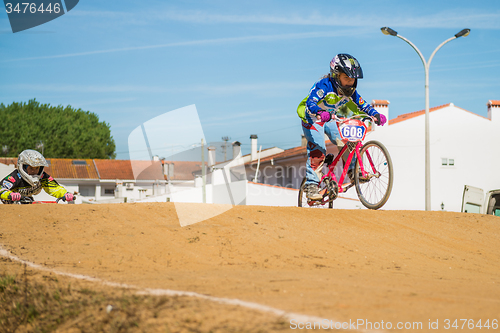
33,171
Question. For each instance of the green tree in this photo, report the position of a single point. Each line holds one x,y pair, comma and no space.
64,131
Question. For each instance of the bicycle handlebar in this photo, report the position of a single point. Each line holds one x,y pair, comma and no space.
64,199
30,200
343,120
25,200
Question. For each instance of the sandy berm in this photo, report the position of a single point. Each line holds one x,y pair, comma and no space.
391,266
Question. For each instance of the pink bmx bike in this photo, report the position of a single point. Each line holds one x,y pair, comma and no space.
373,174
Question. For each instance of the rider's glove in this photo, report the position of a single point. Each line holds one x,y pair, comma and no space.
380,119
324,116
14,196
68,197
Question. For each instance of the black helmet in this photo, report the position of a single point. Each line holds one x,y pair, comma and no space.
347,64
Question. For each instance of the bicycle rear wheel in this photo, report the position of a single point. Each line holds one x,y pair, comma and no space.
376,160
304,202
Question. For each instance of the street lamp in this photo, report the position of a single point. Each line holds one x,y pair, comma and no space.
463,33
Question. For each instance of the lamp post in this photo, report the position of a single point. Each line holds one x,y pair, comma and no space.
462,33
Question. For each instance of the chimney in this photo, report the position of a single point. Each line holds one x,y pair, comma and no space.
382,107
165,168
493,107
168,170
236,149
253,147
211,156
171,171
303,141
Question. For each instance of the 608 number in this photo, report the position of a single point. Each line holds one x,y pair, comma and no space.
352,132
32,8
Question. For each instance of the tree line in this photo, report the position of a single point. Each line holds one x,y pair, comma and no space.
60,132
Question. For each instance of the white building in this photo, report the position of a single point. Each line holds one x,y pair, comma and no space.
462,148
462,152
100,180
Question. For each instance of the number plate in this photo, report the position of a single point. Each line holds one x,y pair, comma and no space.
352,131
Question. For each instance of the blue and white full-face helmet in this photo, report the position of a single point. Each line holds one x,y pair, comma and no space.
347,64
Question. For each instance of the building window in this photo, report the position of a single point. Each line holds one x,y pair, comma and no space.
87,190
110,191
79,162
448,161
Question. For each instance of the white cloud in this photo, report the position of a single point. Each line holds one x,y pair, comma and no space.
227,40
454,18
442,19
205,89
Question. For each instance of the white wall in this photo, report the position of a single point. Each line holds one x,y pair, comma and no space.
454,133
233,193
245,193
6,169
266,195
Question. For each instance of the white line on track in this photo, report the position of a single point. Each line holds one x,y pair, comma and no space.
298,318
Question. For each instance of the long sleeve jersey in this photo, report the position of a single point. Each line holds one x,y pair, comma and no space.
15,183
324,96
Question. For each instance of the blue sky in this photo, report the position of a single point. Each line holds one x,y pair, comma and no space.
246,65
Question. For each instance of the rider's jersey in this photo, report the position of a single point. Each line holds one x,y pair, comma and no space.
324,96
15,183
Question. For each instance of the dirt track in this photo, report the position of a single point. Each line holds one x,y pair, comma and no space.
391,266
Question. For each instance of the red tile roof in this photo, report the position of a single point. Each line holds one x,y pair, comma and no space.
380,102
64,168
410,115
8,160
297,151
292,152
114,169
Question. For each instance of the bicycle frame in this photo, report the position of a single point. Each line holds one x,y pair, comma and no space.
331,167
331,175
372,173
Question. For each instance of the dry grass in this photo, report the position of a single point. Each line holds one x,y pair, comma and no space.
34,302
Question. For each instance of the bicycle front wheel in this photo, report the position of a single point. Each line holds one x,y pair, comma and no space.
304,202
375,191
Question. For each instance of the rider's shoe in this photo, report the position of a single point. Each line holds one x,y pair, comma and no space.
329,159
312,192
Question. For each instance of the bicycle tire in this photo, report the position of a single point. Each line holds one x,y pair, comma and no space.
303,202
374,193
